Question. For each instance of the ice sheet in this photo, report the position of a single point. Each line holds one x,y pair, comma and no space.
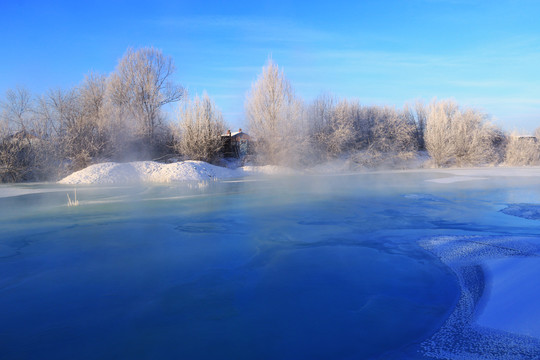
469,335
178,268
514,293
453,179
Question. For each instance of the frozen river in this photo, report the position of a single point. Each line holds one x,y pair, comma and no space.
395,265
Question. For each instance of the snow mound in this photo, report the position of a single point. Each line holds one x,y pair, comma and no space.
154,172
149,171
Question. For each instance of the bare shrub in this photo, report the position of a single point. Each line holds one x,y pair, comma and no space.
198,132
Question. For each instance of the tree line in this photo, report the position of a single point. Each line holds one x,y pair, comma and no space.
123,117
291,132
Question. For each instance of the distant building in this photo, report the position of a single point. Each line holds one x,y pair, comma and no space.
235,145
528,138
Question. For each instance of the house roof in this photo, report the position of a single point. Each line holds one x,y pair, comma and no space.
233,134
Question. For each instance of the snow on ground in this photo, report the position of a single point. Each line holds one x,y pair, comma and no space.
147,171
494,171
478,329
484,173
150,171
153,172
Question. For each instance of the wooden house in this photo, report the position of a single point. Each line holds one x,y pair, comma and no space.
235,145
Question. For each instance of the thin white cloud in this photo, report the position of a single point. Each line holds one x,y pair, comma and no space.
488,75
255,29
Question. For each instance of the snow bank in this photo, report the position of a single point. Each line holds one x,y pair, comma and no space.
498,171
150,171
487,269
477,174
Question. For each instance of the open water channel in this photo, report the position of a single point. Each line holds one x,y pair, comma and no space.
363,266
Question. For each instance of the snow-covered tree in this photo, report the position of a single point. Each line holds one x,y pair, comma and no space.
141,85
341,133
275,117
460,137
417,115
522,150
199,129
319,115
393,132
16,125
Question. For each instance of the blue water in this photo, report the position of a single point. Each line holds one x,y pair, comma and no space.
306,267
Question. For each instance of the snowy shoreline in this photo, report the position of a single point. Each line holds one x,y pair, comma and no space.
154,172
478,322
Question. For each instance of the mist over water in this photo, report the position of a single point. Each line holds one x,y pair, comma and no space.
314,267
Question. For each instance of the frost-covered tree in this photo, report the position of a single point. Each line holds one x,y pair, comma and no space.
341,133
275,117
522,150
393,133
71,130
17,109
417,115
319,117
199,129
92,94
460,137
320,113
369,134
17,152
140,86
89,136
384,136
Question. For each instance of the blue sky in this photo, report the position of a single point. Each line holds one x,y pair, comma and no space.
484,54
